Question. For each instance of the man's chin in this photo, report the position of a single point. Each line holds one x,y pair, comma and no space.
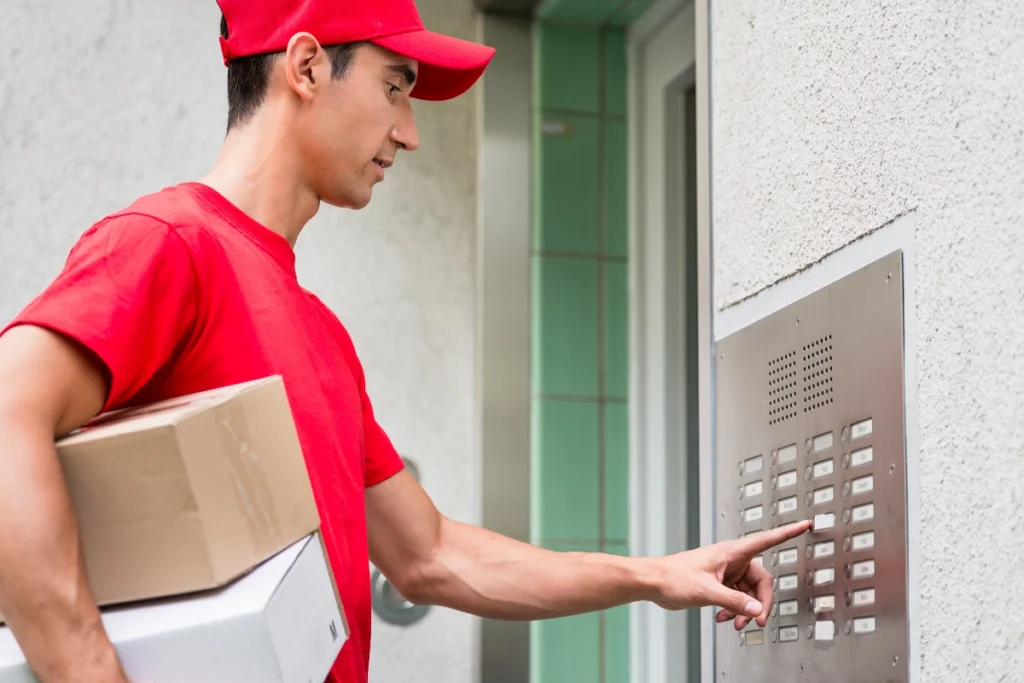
350,201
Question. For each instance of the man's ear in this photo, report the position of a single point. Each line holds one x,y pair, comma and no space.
306,65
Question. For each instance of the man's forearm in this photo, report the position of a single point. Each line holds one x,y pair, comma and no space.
44,594
489,575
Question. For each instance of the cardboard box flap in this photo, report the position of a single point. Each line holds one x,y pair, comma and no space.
159,414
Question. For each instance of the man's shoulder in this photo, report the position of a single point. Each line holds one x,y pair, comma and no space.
171,216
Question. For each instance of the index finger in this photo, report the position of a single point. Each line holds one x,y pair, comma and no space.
756,544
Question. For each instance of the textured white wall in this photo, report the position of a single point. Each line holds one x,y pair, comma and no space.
832,119
103,100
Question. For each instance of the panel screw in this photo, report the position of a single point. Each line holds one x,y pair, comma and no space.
798,322
888,278
895,660
810,632
892,468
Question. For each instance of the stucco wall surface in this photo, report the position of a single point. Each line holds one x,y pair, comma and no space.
832,119
103,100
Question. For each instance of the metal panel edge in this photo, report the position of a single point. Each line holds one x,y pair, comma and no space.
503,320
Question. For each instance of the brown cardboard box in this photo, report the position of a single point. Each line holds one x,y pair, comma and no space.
188,494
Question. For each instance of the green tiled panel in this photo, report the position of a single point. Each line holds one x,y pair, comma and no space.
616,321
566,650
630,13
616,189
615,72
568,182
566,67
565,326
616,472
589,12
565,470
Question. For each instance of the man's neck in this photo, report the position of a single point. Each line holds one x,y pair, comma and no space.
258,171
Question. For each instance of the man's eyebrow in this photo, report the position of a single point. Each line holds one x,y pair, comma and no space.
404,71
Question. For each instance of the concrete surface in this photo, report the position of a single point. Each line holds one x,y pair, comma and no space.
103,100
833,119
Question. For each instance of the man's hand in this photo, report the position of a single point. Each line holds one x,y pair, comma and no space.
725,575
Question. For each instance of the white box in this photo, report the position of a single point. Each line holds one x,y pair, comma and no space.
281,623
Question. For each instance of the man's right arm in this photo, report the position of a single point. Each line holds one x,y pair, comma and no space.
48,387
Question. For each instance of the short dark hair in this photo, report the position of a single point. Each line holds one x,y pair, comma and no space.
249,77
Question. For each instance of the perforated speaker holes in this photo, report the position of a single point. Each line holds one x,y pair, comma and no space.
817,374
782,404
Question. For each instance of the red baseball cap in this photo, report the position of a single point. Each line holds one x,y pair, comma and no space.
448,66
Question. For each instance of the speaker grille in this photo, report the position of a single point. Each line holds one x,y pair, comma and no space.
817,374
782,401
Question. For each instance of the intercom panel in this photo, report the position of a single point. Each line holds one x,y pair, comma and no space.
810,425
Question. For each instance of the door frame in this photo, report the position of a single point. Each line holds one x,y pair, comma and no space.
658,520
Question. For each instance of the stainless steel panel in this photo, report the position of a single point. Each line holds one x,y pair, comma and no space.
820,366
503,320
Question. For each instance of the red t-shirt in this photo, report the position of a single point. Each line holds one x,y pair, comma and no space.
182,292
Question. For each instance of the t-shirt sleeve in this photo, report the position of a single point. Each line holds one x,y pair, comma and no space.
382,460
127,293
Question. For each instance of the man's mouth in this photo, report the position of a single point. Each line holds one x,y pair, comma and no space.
383,163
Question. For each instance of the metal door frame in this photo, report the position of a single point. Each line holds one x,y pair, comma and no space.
656,395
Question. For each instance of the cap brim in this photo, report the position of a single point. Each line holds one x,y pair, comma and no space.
448,66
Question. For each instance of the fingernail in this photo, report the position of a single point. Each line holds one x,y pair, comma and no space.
753,608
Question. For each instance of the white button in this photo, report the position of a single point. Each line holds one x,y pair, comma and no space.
824,576
824,549
789,582
863,484
753,464
788,634
824,495
862,457
824,521
753,638
787,505
753,514
788,608
862,570
863,513
824,630
759,560
864,541
864,597
789,556
788,453
787,479
823,441
862,625
824,468
824,603
861,429
754,488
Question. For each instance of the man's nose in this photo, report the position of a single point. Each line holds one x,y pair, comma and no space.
404,133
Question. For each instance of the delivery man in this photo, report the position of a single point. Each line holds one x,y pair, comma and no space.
194,287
